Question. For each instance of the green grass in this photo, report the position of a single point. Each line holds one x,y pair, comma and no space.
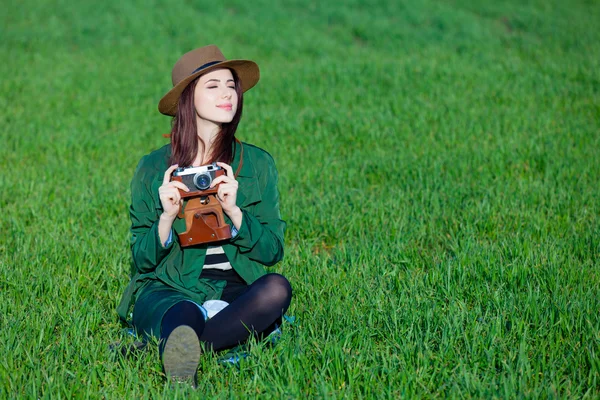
437,174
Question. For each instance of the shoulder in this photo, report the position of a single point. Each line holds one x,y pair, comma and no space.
258,163
153,163
257,155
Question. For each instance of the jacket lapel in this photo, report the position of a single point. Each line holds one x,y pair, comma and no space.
248,190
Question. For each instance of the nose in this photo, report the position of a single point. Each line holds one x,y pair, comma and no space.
226,94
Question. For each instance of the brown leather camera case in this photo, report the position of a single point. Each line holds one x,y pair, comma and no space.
204,221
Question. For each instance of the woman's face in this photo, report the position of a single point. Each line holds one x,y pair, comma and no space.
215,97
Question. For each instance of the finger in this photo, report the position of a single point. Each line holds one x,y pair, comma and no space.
219,179
167,192
227,168
223,180
225,191
170,194
175,197
228,187
168,173
179,185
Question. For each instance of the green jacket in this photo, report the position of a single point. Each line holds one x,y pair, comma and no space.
259,241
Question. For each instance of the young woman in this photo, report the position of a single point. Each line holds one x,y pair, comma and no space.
169,282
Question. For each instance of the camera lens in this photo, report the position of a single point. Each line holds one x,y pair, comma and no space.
202,181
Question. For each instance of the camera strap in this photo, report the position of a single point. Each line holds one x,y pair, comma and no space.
237,171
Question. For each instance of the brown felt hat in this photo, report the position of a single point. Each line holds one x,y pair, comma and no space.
198,62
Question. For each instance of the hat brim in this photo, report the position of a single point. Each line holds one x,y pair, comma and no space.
247,72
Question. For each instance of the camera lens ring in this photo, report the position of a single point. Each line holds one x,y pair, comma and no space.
202,180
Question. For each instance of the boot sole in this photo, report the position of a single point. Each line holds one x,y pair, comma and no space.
181,355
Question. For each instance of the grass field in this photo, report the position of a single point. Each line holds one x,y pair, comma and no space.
437,174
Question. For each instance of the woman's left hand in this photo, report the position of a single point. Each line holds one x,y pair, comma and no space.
227,194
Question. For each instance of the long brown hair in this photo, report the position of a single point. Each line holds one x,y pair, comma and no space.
184,135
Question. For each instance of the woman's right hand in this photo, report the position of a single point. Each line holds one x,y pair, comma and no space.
170,198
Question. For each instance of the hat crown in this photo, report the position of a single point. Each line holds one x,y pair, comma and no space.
192,60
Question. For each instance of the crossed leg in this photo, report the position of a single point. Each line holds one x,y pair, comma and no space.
255,311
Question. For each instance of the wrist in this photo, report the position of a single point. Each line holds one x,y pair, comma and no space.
165,223
164,217
236,216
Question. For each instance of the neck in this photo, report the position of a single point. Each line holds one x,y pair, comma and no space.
207,132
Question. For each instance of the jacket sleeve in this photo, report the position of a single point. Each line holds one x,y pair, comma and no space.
147,251
260,236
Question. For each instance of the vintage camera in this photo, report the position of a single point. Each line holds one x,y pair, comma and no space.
198,179
203,215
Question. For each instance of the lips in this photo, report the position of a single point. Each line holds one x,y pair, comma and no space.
226,107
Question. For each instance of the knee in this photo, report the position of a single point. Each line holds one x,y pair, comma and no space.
182,313
277,288
183,310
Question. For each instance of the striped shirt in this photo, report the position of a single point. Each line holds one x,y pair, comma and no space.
215,255
216,259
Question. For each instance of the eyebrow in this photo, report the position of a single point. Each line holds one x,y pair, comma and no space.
217,80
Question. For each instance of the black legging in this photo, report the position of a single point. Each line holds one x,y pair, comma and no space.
257,311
